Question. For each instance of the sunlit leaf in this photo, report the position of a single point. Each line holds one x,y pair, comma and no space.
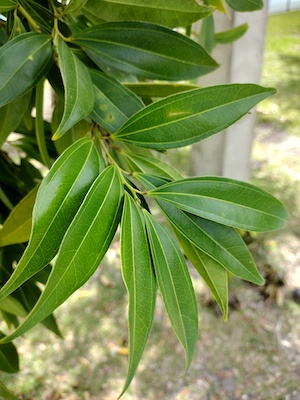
189,117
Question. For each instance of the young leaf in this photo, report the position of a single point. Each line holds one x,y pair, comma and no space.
9,359
114,103
79,90
231,35
214,275
119,45
58,200
175,285
23,62
140,282
189,117
245,5
170,13
7,5
83,247
226,201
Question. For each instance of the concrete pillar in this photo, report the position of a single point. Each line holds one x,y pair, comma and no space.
228,153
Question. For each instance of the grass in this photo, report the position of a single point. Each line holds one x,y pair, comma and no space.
254,356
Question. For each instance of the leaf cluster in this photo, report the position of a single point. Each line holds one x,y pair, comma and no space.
122,80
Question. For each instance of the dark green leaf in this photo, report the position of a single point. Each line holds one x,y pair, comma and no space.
175,285
231,35
114,103
245,5
189,117
83,247
170,13
206,36
79,91
9,360
119,45
158,89
58,200
226,201
140,282
23,62
41,15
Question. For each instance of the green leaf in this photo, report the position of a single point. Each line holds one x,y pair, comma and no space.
214,275
9,360
75,6
245,5
140,282
231,35
189,117
41,15
170,13
175,285
7,394
23,62
58,200
83,247
206,36
114,103
220,4
158,89
12,306
226,201
7,5
17,29
79,91
119,45
11,115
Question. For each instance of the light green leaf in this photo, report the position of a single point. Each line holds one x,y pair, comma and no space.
189,117
9,360
75,6
79,90
18,28
114,103
12,306
245,5
226,201
119,45
7,5
158,89
206,36
175,285
220,4
170,13
231,35
6,393
23,62
214,275
83,247
11,115
138,275
58,200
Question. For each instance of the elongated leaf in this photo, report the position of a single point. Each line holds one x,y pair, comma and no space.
140,282
206,36
158,89
83,247
9,360
220,4
170,13
12,306
6,393
119,45
7,5
175,285
58,199
189,117
245,5
114,103
214,275
17,227
41,15
75,6
23,62
11,115
231,35
226,201
79,90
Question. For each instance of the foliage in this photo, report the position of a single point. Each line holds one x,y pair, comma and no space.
110,117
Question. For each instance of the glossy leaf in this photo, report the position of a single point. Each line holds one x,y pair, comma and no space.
138,275
114,103
9,360
7,5
79,91
58,200
231,35
83,247
189,117
175,285
245,5
158,89
119,45
170,13
213,274
6,394
11,115
226,201
23,62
